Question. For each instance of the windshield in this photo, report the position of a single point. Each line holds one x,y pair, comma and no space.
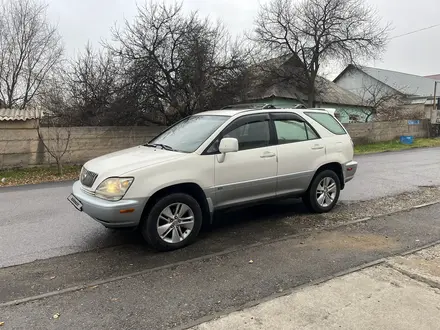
189,134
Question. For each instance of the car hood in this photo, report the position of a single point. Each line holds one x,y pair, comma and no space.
127,160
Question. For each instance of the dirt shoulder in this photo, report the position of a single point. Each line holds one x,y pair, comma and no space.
35,175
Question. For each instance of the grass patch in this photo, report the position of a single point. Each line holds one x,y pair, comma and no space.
34,175
395,146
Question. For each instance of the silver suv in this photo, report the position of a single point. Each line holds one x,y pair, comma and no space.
216,160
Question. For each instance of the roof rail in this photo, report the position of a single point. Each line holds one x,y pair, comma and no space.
251,106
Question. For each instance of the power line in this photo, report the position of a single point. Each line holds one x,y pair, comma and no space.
416,31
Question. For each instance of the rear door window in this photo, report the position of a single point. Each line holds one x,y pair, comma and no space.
291,131
328,121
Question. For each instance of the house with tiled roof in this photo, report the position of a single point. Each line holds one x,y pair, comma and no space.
277,82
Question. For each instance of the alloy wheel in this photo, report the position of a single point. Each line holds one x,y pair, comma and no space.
326,192
175,223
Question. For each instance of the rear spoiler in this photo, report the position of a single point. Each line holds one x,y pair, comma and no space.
331,111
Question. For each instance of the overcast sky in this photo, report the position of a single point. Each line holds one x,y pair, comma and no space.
80,21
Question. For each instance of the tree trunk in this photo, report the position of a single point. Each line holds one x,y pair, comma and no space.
311,98
369,115
60,167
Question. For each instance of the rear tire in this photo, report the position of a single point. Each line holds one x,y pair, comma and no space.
323,193
173,222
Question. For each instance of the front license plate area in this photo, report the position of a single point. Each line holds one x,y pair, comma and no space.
75,202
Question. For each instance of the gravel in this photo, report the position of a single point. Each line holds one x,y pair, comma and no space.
350,211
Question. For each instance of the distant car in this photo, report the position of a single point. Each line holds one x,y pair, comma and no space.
216,160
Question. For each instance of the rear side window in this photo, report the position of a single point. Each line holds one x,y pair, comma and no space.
290,131
328,121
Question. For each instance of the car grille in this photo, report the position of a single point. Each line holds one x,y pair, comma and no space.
87,177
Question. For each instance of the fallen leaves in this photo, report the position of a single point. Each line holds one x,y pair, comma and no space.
35,175
2,324
56,316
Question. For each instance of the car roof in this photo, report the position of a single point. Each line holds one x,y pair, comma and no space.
233,112
227,112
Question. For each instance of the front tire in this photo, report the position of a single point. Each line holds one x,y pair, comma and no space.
173,222
323,193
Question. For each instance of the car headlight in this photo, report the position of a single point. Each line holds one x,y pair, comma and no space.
113,189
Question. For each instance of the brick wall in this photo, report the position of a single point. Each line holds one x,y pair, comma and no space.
21,147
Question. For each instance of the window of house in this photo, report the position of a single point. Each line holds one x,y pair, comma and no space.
353,118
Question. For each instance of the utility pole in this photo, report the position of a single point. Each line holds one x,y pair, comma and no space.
434,107
434,119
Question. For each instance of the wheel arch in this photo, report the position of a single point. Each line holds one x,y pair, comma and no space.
190,188
335,167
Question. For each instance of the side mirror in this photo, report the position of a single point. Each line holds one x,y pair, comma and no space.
228,145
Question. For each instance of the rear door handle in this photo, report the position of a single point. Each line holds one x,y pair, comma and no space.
317,147
267,155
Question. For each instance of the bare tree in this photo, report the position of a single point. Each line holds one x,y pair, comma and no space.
29,48
177,64
315,32
386,104
93,82
54,96
379,99
55,139
92,90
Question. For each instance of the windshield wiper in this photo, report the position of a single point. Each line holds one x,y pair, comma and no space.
163,146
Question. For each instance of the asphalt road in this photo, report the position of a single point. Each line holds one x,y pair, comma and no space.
392,173
116,288
37,222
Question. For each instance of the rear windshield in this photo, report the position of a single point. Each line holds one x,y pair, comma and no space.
328,121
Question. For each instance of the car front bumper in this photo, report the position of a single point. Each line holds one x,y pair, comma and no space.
350,169
123,213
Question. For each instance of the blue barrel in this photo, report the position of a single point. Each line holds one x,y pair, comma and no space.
407,139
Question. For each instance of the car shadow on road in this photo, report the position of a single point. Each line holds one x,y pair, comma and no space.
263,213
237,227
125,252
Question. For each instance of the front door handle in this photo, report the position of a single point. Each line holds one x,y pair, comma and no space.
267,155
317,147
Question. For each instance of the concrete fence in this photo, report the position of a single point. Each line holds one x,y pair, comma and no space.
363,133
21,147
